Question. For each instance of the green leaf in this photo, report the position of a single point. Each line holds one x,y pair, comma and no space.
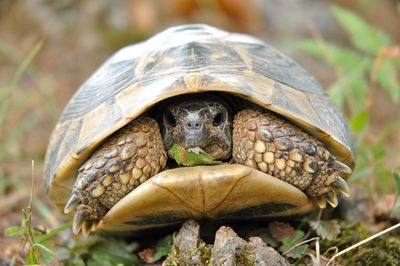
358,86
54,232
46,254
25,220
288,243
191,158
388,79
378,152
352,86
14,231
298,252
326,229
359,122
162,249
31,257
363,36
337,94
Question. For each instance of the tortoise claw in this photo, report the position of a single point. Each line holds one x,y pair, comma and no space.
71,204
341,167
95,224
341,185
320,201
78,222
86,228
331,198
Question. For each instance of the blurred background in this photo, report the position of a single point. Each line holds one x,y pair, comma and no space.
49,48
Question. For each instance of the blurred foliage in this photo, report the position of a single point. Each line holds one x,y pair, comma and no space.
373,62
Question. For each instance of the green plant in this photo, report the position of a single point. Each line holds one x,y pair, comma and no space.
41,246
373,62
95,250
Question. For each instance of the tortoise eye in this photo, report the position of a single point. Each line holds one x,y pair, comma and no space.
217,120
170,119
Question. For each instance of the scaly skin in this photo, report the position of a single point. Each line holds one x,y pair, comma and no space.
260,140
277,147
123,162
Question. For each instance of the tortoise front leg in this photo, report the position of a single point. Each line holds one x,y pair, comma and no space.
277,147
123,162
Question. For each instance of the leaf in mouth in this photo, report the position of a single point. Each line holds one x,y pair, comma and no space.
192,157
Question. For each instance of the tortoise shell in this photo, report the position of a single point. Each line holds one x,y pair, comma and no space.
182,60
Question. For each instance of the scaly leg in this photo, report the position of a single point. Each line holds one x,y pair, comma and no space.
123,162
277,147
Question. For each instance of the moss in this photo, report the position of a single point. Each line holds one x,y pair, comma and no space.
245,257
349,235
173,255
384,250
204,250
205,254
372,256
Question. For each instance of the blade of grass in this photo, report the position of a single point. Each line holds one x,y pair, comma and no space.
33,254
15,80
55,231
396,177
44,249
299,244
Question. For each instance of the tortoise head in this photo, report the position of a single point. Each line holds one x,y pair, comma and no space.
202,121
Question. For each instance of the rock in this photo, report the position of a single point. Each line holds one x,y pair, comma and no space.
265,255
228,249
188,242
227,246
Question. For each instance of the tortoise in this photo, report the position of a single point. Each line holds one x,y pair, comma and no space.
284,147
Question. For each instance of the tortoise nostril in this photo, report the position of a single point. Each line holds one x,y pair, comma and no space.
193,125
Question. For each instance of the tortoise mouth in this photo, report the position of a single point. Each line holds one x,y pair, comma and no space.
205,192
